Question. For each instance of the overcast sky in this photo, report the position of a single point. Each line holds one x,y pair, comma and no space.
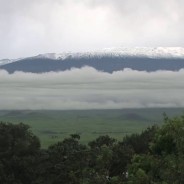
87,88
30,27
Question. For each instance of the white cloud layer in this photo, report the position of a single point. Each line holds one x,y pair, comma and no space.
38,26
87,88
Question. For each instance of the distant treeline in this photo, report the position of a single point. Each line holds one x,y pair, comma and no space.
155,156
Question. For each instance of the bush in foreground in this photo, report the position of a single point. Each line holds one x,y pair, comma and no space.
156,156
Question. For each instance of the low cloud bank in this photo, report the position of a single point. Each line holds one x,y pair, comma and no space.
88,88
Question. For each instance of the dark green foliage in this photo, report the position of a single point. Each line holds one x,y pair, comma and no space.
140,143
122,156
102,141
18,150
156,156
67,160
165,161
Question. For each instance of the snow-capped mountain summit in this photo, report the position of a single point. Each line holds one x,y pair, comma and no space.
8,61
107,60
145,52
149,52
4,61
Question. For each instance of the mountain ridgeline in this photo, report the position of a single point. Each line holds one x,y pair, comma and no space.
106,64
141,59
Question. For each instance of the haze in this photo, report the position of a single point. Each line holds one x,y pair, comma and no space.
88,88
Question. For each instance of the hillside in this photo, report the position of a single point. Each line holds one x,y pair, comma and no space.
107,60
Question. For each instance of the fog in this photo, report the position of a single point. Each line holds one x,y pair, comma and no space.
88,88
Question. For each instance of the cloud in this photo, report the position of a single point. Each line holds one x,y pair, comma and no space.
31,27
88,88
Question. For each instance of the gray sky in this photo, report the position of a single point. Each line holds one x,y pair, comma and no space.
87,88
30,27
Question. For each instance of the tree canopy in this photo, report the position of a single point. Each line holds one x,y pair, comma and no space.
155,156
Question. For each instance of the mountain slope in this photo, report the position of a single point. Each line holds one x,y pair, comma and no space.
107,60
148,52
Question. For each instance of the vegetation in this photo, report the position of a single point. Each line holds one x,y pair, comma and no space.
53,126
155,156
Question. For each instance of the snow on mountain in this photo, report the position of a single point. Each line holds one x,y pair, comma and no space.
4,61
147,52
7,61
107,60
158,52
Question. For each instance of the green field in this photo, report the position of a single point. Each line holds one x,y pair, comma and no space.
52,126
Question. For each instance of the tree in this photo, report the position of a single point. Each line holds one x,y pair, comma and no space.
18,150
140,143
165,161
66,162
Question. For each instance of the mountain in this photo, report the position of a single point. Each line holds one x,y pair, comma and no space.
107,60
8,61
4,61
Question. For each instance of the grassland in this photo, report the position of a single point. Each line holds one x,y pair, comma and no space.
52,126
